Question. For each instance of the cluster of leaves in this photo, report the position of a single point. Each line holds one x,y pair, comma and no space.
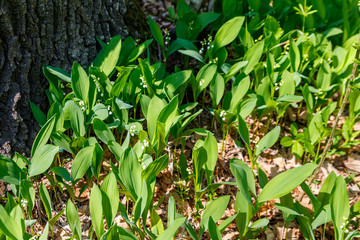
125,106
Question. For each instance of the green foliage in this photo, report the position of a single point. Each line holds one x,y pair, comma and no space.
129,111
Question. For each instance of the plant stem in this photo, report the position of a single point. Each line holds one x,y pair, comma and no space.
341,110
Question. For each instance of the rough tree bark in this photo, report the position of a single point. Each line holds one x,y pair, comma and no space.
34,33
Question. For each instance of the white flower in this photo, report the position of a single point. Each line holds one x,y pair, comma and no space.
208,47
143,166
24,203
82,108
257,146
146,143
212,46
202,81
81,103
166,42
143,82
316,97
277,88
98,89
201,51
223,118
188,171
222,113
110,112
109,108
101,95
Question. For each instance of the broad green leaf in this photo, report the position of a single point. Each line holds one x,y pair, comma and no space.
155,167
171,211
28,192
77,119
235,69
268,140
9,171
244,130
211,147
170,232
154,108
73,219
253,56
62,172
80,82
54,219
204,77
294,56
250,181
168,113
130,172
102,131
9,226
238,94
326,189
82,162
60,73
193,54
42,159
214,209
285,182
217,87
43,136
339,206
260,223
213,230
156,32
38,114
174,81
289,98
228,32
45,198
108,56
44,235
157,226
139,50
110,197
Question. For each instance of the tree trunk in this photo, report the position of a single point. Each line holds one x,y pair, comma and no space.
34,33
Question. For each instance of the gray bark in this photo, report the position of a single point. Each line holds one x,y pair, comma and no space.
34,33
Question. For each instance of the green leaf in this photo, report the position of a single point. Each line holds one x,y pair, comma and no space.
77,119
339,206
102,131
154,108
204,77
110,198
260,223
9,171
156,32
168,113
60,73
44,235
170,232
157,226
244,130
174,81
268,140
130,172
82,162
214,209
45,198
253,56
108,56
294,56
42,159
211,147
213,230
53,220
228,32
9,226
155,167
238,94
43,136
285,182
193,54
139,50
80,82
73,219
28,192
38,114
217,87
